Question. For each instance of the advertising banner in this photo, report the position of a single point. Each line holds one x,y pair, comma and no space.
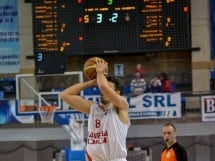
152,105
9,37
208,108
8,113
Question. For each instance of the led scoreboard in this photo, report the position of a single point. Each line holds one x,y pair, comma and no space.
93,27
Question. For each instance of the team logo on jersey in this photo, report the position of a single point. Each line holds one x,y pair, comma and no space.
98,137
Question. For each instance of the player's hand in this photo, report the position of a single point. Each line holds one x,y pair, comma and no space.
101,66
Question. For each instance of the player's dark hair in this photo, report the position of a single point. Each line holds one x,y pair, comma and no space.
170,124
116,83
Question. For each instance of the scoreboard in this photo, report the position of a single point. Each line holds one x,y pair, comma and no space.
98,27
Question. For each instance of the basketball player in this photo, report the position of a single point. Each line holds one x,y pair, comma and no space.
173,150
108,122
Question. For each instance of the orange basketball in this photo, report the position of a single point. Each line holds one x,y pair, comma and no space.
90,68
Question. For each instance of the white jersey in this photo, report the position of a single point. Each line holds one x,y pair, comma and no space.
106,135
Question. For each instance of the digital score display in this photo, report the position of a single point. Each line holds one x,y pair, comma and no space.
94,27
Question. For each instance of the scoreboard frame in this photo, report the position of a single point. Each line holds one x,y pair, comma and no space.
110,27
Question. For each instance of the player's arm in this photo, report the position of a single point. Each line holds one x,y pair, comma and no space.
72,97
118,100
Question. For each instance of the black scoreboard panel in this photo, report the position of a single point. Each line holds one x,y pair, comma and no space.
50,63
97,27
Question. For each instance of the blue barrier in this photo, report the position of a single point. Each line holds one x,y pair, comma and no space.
74,155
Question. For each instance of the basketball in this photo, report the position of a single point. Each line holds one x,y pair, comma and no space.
90,68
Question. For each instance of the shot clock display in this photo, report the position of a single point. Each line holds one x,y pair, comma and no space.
94,27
